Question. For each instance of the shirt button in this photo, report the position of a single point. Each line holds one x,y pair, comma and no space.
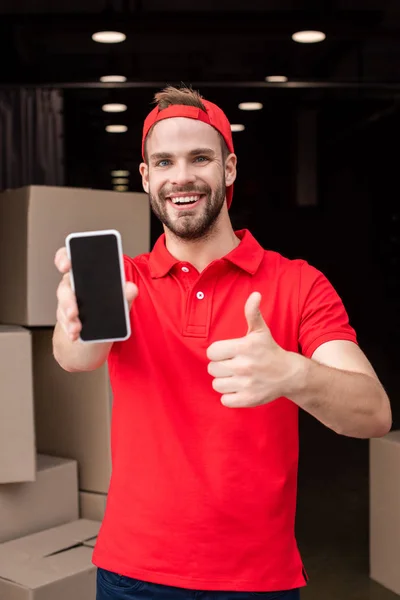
199,295
185,269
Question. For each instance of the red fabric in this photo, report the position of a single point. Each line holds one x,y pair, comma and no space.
203,496
214,117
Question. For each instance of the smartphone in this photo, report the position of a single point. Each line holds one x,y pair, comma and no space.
98,280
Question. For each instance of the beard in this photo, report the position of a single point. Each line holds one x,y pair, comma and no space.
190,224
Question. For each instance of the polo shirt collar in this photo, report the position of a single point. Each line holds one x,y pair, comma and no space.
247,255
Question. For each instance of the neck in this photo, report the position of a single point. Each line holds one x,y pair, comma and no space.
200,253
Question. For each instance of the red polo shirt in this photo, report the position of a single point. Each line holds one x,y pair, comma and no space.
203,496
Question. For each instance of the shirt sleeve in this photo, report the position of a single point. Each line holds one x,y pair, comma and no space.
323,317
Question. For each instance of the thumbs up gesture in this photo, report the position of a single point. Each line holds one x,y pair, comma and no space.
254,369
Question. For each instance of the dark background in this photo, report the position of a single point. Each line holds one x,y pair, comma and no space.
350,84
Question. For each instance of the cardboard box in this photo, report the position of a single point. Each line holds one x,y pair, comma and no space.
34,222
50,565
49,501
72,414
385,510
17,428
92,506
91,543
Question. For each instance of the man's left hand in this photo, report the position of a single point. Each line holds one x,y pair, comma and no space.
254,369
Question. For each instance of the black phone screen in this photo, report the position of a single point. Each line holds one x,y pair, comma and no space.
98,289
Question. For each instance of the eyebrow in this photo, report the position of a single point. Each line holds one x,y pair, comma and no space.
195,152
198,151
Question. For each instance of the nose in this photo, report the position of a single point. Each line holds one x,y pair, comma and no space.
182,174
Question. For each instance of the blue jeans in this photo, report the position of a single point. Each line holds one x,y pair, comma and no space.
111,586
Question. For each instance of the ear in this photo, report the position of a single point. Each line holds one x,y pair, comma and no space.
144,171
230,169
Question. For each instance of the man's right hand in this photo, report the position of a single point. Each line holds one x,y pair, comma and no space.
67,309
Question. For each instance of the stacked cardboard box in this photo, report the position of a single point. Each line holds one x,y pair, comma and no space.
34,222
385,510
92,506
49,501
17,430
73,414
55,460
51,565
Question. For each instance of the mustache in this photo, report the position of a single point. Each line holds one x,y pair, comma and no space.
185,189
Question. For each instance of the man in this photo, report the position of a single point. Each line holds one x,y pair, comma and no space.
228,341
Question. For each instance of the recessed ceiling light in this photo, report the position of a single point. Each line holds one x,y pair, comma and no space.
114,108
308,37
119,180
120,188
113,78
237,127
116,128
108,37
276,78
119,173
250,106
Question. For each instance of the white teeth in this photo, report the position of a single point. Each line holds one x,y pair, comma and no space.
183,199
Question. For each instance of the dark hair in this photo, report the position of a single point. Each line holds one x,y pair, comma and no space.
170,96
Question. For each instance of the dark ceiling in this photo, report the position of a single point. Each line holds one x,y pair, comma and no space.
225,48
215,40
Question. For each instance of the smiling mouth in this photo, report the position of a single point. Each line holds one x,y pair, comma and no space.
185,200
189,200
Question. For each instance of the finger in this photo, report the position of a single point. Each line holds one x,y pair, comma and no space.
62,261
68,322
62,319
223,368
224,349
72,327
234,401
74,330
131,292
67,299
226,385
254,318
65,293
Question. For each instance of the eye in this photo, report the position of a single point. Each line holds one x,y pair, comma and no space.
163,163
201,159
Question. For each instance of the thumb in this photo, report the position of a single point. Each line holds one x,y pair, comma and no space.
131,292
255,321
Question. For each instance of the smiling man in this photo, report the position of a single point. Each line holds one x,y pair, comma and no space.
229,341
189,206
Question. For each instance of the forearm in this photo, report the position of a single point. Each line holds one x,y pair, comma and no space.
75,356
351,404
